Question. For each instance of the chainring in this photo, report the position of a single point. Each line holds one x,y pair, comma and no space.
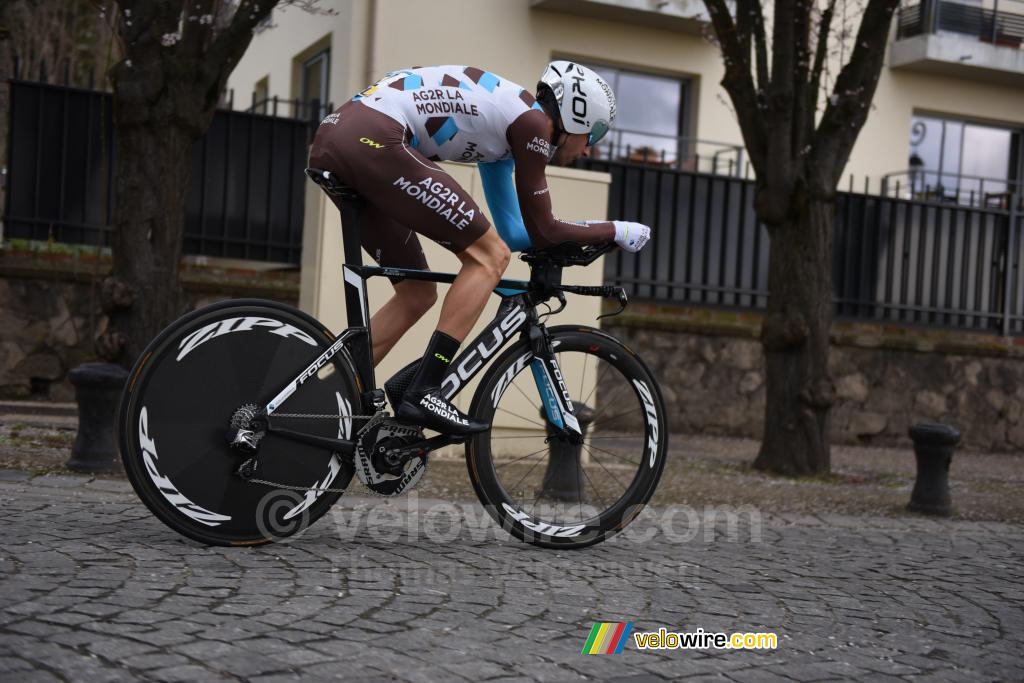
382,483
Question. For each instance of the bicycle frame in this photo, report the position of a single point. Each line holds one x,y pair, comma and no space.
516,312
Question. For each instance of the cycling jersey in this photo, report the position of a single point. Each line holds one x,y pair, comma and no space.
384,141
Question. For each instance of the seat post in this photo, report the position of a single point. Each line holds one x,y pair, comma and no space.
352,205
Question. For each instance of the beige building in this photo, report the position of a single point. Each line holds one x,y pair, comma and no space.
954,103
964,91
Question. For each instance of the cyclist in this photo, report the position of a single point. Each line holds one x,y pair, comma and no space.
384,142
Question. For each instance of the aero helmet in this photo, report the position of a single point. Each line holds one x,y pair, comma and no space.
585,101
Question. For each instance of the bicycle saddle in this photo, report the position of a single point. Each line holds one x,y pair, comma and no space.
331,185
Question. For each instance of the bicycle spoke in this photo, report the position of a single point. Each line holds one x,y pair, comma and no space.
579,491
603,467
524,419
583,375
512,462
607,401
610,438
614,455
587,476
600,373
616,416
523,393
530,471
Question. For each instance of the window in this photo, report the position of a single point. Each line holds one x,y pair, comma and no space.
650,116
260,95
953,160
315,74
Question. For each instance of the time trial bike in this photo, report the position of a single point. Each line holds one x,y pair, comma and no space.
245,420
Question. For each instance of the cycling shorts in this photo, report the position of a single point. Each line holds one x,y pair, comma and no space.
406,193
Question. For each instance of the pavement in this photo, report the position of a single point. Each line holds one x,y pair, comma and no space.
92,587
40,413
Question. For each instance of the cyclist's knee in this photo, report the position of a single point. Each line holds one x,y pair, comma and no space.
488,253
502,257
491,252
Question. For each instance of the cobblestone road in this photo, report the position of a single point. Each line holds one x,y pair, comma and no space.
94,588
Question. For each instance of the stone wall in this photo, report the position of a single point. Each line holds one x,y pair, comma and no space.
50,315
710,367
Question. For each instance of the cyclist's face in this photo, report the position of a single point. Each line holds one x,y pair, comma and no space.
573,147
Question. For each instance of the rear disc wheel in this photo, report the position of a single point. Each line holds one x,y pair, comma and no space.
176,413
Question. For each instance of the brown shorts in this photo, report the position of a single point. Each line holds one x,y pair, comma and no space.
406,193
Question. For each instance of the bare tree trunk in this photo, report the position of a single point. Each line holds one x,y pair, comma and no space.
795,333
144,292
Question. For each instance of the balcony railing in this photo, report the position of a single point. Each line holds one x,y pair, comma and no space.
1001,24
670,151
952,188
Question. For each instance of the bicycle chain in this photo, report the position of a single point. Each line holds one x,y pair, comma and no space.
307,489
315,416
296,488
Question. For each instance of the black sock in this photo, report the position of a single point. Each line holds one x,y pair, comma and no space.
436,362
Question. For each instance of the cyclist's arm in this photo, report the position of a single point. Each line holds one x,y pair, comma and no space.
500,191
527,135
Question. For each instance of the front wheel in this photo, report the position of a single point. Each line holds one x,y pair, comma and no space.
558,492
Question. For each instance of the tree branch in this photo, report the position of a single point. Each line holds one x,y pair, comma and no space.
744,27
803,117
739,83
229,46
198,26
821,51
760,47
847,109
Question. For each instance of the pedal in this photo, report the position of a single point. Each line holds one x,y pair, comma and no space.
374,397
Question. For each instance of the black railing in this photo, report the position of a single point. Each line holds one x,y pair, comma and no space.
1001,24
246,191
895,260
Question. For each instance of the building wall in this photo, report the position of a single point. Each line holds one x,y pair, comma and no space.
371,37
884,143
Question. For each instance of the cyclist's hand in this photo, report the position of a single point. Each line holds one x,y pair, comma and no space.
631,236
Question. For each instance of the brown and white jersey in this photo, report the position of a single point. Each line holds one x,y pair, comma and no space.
466,114
455,113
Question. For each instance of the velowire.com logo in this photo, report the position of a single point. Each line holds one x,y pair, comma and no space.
607,639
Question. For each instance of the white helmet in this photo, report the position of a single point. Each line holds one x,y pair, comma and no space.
585,101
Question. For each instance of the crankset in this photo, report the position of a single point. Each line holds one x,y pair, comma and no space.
390,458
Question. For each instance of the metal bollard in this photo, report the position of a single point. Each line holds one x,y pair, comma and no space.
564,476
933,448
97,390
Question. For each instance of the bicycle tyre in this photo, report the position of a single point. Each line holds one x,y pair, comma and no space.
175,414
639,429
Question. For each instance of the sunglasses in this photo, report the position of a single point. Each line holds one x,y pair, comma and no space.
599,130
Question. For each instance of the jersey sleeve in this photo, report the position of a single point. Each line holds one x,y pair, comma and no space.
500,191
530,152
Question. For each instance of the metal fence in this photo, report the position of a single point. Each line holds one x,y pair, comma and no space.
895,260
246,194
1001,24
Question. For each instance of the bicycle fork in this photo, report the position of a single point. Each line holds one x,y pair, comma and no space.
550,384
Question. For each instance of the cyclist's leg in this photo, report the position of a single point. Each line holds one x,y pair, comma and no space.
417,193
393,245
483,264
